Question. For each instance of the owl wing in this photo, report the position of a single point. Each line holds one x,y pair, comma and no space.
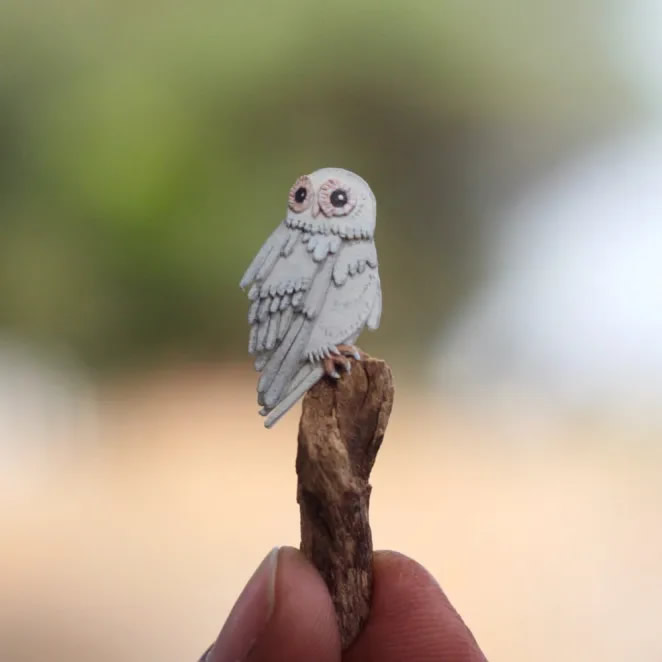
349,298
264,261
289,280
353,301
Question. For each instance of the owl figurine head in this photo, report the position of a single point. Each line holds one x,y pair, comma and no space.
332,200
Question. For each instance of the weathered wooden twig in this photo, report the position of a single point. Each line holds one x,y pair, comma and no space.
341,429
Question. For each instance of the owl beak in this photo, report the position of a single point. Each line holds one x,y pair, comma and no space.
315,210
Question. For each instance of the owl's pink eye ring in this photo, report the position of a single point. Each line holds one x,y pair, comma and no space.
335,199
301,195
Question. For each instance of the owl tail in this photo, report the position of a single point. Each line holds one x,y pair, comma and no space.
307,377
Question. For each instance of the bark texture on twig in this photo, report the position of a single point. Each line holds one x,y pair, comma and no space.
341,429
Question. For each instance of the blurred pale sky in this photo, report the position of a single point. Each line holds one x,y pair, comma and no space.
633,37
571,309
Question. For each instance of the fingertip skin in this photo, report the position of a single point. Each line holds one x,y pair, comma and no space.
285,614
411,618
303,624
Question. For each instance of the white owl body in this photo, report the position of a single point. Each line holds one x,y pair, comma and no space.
314,286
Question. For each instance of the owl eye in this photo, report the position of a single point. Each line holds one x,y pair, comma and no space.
339,198
336,199
301,195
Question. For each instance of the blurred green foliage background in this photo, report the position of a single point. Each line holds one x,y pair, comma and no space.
146,150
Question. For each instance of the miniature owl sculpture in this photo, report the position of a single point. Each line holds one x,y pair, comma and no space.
313,287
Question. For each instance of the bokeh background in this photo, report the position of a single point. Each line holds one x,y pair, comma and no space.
146,151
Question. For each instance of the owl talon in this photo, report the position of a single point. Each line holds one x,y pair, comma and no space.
349,350
331,366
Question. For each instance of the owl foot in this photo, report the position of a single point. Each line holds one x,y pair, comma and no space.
349,350
337,361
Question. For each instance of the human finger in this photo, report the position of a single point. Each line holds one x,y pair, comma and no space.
411,618
284,614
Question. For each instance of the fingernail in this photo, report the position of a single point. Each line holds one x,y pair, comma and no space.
250,614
